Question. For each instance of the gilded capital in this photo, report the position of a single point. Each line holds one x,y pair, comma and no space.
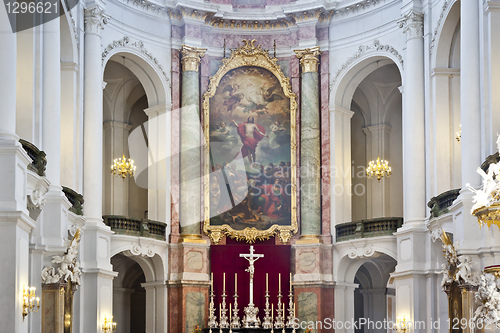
309,59
191,57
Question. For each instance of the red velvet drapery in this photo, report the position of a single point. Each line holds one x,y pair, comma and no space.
226,258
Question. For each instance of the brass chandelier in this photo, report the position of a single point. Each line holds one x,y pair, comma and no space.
378,169
123,167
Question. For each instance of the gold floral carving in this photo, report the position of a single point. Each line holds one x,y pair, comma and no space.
250,55
309,59
191,57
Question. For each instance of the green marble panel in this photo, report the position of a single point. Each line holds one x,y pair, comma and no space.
190,164
310,156
195,310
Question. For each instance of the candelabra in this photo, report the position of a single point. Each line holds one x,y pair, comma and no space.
235,319
291,310
212,319
223,322
280,311
108,325
29,300
267,323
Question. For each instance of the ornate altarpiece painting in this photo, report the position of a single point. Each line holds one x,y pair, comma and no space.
250,157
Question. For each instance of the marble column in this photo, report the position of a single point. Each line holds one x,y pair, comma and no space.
470,95
93,116
53,223
15,224
310,145
51,107
191,153
466,228
413,120
97,279
8,60
410,275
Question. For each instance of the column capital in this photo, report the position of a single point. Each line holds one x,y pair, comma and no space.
191,57
309,59
412,24
95,19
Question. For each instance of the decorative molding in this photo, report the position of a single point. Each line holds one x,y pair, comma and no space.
412,24
364,49
73,23
290,16
446,4
95,19
117,43
139,45
360,252
138,250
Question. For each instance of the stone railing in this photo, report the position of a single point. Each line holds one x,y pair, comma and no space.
383,226
495,158
123,225
439,204
38,156
76,200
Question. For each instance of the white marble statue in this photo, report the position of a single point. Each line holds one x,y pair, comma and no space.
489,192
69,266
488,296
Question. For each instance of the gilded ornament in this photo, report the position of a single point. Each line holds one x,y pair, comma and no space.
191,57
309,59
250,55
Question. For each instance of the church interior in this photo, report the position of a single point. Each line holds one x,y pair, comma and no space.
191,166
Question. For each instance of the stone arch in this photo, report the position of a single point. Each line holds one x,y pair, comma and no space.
151,76
349,266
444,35
358,68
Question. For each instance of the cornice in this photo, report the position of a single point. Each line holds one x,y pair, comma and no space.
217,16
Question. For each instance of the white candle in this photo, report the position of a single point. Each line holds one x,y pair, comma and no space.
272,312
212,281
290,282
223,283
267,282
279,282
294,310
229,312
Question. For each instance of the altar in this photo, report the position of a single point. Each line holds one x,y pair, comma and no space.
233,304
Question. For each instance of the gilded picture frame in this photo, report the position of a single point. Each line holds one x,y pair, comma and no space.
254,61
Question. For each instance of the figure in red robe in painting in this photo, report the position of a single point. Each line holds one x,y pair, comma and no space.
250,134
272,201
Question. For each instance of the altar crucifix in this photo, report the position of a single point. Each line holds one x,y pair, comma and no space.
250,319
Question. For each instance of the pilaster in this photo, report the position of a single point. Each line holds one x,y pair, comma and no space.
310,142
190,143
